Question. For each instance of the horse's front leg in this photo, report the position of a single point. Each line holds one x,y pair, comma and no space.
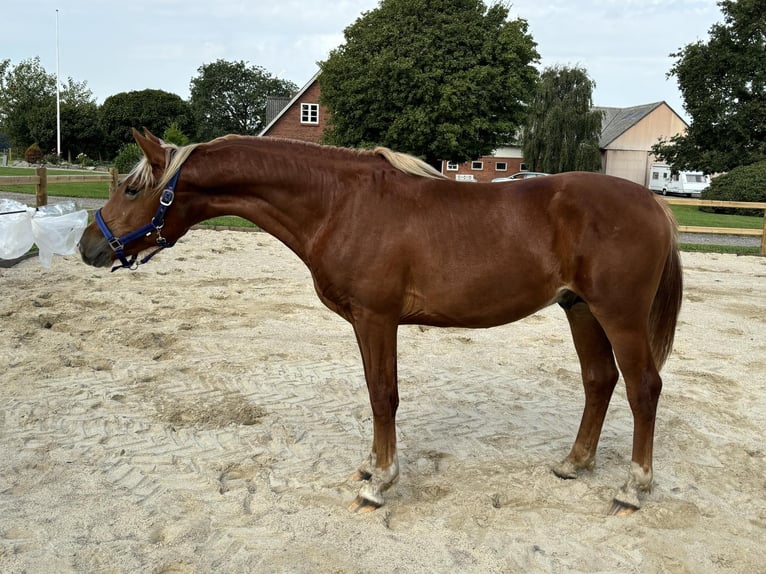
376,337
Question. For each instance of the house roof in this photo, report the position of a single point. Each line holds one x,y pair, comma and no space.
285,106
619,120
274,107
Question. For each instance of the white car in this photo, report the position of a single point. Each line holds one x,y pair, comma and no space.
520,175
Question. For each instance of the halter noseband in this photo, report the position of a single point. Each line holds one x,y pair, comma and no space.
156,224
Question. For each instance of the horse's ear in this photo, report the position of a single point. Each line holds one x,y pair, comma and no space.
149,135
152,148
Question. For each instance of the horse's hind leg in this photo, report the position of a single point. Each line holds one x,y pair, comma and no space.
643,385
599,376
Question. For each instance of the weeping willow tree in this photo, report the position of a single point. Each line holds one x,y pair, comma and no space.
562,128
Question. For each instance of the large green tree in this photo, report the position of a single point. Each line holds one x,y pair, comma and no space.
723,84
562,128
230,97
155,110
28,110
26,94
440,79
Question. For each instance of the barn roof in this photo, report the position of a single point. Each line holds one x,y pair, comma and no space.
619,120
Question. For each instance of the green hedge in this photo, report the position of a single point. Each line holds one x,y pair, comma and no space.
746,183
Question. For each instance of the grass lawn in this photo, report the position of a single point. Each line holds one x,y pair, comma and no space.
96,190
692,216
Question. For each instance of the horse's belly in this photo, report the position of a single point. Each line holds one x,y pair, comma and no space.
479,308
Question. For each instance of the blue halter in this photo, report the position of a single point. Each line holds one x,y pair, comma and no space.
156,224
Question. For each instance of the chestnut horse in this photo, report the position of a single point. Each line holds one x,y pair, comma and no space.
391,241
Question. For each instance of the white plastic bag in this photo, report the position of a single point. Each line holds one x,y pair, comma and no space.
16,236
57,229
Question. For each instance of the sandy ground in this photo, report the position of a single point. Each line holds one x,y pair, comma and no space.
205,413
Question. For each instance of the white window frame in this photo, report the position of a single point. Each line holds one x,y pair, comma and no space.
477,165
310,114
504,165
452,166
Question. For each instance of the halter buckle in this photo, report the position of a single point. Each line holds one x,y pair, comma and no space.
167,197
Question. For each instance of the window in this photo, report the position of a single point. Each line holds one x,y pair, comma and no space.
477,165
501,166
452,166
655,175
523,167
309,113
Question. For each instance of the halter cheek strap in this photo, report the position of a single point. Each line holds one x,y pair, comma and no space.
156,224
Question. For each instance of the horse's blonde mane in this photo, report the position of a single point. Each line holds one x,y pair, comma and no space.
409,164
142,174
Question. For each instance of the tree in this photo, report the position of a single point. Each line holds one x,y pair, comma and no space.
440,79
27,93
80,128
154,110
723,84
28,110
230,97
174,135
562,128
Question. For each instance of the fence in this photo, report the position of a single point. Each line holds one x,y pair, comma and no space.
41,179
723,230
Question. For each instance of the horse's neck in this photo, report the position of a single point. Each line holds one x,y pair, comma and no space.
284,195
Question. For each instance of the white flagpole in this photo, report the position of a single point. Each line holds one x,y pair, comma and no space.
58,94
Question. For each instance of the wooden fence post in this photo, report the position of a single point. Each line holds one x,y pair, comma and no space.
763,237
41,189
115,180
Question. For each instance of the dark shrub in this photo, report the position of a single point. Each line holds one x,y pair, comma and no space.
33,154
746,183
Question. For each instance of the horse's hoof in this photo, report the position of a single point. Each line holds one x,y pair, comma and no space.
619,508
565,470
362,505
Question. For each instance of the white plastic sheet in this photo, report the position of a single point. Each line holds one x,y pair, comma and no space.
16,236
55,229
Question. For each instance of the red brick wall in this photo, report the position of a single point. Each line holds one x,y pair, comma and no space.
488,173
289,125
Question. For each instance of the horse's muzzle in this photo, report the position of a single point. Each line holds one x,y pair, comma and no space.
94,249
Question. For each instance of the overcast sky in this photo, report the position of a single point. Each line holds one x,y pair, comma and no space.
137,44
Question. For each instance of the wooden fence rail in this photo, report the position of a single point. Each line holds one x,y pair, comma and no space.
723,230
41,180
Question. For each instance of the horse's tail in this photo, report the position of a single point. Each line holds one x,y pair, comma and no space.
667,301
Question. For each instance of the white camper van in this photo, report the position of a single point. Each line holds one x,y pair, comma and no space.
689,183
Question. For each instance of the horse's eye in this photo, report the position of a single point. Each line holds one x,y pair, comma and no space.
131,192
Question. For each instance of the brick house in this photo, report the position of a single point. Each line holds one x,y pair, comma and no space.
301,118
